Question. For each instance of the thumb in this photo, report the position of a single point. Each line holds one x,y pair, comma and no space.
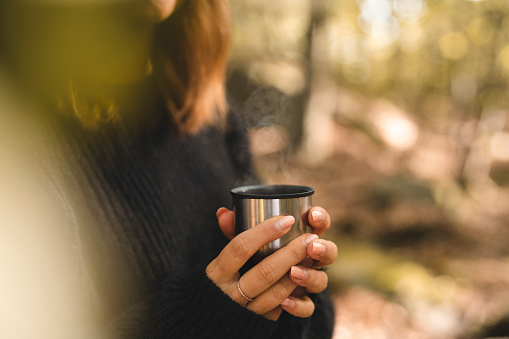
226,221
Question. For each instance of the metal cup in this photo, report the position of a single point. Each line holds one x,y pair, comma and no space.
254,204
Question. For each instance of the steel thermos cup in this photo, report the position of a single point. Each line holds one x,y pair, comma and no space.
254,204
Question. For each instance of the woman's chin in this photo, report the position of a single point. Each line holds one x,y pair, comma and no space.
155,11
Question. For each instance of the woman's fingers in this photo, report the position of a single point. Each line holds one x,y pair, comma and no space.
226,221
323,252
314,281
274,313
271,269
267,288
299,307
224,268
319,220
272,297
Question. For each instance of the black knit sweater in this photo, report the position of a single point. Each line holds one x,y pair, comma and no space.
140,202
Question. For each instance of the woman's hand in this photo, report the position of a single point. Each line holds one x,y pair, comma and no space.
321,253
268,283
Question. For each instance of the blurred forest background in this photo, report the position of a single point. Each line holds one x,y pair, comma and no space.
397,112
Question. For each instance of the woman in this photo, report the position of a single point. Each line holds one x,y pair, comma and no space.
137,162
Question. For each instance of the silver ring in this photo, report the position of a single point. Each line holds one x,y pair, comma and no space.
242,293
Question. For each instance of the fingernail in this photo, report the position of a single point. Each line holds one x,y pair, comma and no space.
285,222
288,303
298,273
221,211
318,249
310,238
317,216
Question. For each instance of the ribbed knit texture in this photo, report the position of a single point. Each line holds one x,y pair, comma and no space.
139,202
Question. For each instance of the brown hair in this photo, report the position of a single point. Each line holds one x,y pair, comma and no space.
189,57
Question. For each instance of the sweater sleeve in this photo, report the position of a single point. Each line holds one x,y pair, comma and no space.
198,308
190,306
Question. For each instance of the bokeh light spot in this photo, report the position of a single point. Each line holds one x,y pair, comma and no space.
395,128
454,46
499,145
503,59
480,31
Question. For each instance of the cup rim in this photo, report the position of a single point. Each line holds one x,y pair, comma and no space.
267,191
